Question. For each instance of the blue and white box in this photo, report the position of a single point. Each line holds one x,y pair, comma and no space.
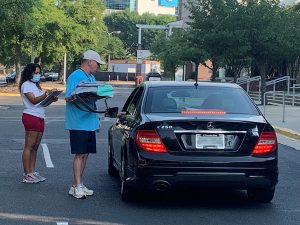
169,3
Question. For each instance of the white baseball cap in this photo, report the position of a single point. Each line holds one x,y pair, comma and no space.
92,55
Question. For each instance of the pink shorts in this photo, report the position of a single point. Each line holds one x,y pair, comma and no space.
33,123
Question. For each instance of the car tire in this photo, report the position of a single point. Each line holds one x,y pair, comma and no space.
261,195
112,171
127,193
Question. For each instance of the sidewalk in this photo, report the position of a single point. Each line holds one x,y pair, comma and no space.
286,123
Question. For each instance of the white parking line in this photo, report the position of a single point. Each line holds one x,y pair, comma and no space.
62,223
47,157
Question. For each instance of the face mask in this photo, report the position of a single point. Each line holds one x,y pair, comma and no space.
36,78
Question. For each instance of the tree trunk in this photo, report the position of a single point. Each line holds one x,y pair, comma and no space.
17,62
196,72
61,71
262,67
214,71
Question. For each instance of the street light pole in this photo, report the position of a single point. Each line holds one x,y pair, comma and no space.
109,46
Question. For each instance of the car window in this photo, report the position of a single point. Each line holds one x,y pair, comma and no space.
176,99
129,99
134,105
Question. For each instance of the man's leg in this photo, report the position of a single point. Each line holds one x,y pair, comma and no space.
78,167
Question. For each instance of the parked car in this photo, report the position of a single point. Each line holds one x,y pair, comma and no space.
49,76
11,77
178,135
153,76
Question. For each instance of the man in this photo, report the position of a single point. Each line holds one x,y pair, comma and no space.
81,125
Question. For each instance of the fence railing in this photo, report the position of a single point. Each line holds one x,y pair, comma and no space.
283,102
295,86
278,80
248,80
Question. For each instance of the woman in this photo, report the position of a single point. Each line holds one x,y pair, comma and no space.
33,120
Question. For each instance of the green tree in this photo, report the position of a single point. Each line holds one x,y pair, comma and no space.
77,26
126,23
171,51
14,16
236,34
177,49
218,30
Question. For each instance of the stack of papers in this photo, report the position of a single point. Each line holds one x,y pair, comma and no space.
47,101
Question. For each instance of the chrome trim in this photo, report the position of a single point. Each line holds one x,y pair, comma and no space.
209,132
212,173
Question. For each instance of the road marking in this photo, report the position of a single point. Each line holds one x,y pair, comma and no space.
47,157
62,223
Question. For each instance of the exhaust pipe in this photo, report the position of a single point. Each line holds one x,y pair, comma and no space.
161,185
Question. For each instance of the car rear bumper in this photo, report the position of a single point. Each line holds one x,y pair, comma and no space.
175,177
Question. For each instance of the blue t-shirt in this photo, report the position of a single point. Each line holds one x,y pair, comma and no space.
77,119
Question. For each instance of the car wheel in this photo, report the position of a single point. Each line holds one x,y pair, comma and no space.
112,171
127,193
261,195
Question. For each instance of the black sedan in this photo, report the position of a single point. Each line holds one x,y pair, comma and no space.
179,135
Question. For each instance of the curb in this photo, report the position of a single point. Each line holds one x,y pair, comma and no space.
287,132
10,94
3,107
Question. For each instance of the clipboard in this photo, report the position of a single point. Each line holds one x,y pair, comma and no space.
47,101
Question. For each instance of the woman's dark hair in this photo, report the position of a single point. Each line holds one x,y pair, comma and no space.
27,74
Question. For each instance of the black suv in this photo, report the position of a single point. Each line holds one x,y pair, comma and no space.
153,76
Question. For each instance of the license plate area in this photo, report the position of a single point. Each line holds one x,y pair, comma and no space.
210,141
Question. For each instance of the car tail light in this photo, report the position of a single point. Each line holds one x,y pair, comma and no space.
267,143
149,141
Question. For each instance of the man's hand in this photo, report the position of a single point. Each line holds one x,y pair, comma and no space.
71,99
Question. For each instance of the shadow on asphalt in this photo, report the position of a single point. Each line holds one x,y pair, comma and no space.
195,198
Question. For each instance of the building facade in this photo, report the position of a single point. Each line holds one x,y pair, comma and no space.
156,7
129,66
121,4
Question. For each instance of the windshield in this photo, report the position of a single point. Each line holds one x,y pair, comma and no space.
201,99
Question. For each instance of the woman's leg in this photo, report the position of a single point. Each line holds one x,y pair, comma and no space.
31,138
34,152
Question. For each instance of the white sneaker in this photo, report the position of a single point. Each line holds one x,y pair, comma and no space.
39,177
87,191
30,179
77,192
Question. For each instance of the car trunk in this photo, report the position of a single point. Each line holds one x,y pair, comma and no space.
234,135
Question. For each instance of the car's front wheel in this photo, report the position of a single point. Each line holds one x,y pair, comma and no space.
261,195
127,193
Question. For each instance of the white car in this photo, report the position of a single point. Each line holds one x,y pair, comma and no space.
51,76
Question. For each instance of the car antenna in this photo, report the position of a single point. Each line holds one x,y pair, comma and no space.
196,79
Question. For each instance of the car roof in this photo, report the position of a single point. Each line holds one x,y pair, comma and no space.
148,84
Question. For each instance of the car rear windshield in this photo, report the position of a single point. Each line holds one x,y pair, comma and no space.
181,99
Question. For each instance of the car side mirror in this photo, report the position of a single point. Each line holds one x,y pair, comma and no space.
112,112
